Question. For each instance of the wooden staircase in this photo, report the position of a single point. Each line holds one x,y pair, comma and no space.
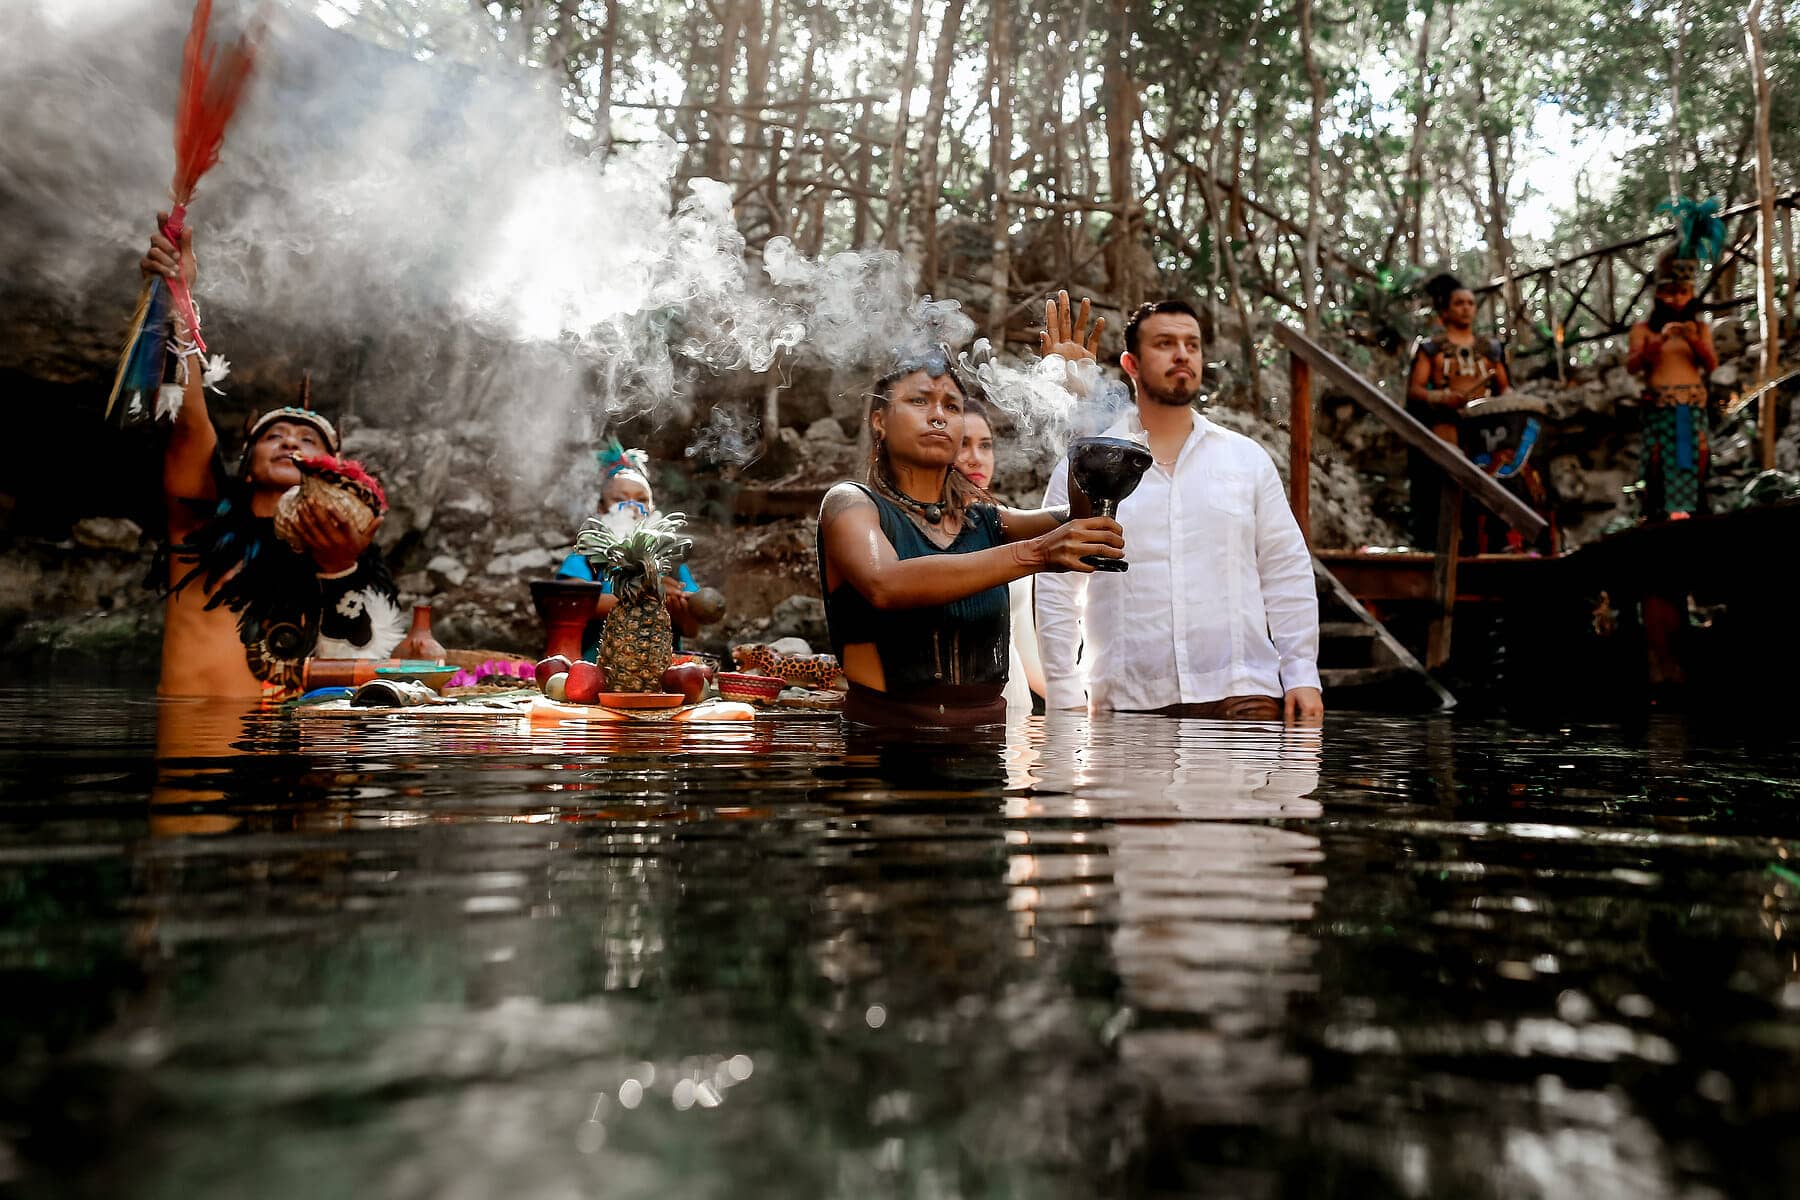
1361,664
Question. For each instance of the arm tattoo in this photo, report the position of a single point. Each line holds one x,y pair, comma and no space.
840,500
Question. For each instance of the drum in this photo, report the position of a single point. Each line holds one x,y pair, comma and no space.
1499,433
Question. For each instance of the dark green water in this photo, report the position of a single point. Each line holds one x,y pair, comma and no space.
243,956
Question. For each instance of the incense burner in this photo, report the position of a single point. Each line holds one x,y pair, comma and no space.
1107,469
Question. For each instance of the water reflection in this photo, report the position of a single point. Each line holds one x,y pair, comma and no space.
1209,895
242,954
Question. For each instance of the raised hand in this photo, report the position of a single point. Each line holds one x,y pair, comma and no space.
1063,336
165,260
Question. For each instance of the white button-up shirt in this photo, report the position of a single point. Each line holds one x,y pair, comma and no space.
1219,600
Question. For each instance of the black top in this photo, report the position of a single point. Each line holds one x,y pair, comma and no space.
963,642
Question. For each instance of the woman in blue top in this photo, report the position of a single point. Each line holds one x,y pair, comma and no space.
625,497
914,562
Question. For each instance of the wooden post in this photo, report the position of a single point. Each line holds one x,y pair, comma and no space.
1300,442
1443,575
1000,160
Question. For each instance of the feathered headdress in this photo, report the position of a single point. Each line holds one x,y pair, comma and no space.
615,459
1699,233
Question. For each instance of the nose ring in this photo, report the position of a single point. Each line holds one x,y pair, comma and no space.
937,423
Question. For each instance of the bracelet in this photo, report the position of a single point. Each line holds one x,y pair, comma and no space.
346,573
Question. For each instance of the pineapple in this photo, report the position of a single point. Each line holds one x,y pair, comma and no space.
638,642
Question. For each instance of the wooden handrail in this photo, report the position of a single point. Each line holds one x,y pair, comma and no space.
1464,474
1786,200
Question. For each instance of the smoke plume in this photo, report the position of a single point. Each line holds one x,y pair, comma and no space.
440,218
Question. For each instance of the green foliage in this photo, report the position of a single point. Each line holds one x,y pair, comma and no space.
1226,99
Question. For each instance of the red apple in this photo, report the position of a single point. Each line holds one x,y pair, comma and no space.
554,665
585,683
688,678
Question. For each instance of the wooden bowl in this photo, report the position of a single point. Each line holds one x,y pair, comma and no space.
639,700
755,689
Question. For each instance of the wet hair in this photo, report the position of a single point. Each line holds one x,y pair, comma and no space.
936,363
1442,288
1151,308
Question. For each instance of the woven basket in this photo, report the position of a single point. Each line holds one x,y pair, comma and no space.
337,499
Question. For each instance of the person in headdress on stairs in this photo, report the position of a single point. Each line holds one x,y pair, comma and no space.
1449,369
243,608
1673,350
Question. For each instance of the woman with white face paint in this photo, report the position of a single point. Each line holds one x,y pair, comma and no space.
625,501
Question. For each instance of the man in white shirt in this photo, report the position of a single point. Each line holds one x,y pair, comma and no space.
1218,615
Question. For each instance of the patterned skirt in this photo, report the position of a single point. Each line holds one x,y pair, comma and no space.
1677,449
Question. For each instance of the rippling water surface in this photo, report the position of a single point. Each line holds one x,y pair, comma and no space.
243,955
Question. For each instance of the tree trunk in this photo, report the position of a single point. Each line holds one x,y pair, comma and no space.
1499,247
930,188
1310,283
609,52
761,48
896,161
859,227
718,152
1121,116
1000,149
1415,153
1063,167
1765,241
1676,54
803,114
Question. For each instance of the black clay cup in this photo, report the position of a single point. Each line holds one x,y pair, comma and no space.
1108,469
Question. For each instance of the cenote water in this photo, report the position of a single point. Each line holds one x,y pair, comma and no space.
245,956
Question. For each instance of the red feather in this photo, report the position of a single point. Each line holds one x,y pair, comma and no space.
347,472
211,86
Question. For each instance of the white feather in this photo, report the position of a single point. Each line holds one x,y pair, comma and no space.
168,401
387,625
216,370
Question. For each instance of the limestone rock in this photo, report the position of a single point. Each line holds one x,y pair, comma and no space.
1623,385
472,501
1569,478
827,430
107,533
516,542
532,562
1728,339
799,617
791,645
446,572
416,583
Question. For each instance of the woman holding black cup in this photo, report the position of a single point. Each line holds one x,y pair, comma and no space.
914,561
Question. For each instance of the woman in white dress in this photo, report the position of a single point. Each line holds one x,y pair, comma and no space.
1025,671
